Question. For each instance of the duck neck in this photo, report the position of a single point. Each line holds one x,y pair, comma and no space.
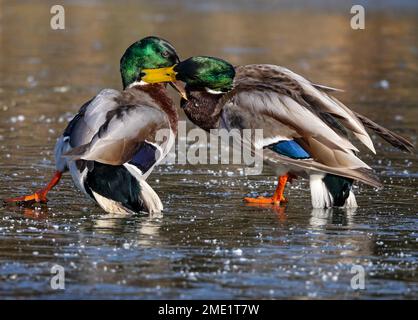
201,108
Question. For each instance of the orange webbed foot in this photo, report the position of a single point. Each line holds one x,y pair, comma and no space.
265,200
38,196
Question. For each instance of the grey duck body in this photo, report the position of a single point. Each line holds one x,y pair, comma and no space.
290,108
110,147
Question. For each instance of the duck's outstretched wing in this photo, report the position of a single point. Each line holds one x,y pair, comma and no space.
389,136
137,134
285,116
312,96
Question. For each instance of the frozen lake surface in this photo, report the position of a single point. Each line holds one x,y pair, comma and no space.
208,244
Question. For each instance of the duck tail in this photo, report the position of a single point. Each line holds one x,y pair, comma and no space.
150,198
328,190
389,136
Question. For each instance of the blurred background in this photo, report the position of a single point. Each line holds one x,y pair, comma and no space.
208,245
313,38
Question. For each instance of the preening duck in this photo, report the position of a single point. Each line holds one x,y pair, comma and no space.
305,129
110,146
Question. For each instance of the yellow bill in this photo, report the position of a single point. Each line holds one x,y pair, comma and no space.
164,75
159,75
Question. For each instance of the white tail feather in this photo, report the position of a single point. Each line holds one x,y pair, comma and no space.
151,199
111,206
320,196
152,203
351,201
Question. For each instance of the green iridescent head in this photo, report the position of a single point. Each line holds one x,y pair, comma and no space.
147,53
206,72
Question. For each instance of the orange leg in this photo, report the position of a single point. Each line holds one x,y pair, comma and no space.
40,195
277,197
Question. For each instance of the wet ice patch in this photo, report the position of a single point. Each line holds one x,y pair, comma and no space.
382,84
237,252
61,89
18,118
31,81
126,246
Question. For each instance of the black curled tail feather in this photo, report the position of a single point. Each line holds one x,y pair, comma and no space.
339,187
329,190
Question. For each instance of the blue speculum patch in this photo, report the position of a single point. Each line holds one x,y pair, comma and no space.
145,157
290,149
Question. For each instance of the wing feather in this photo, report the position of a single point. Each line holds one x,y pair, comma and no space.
91,116
284,115
120,137
300,89
280,115
393,138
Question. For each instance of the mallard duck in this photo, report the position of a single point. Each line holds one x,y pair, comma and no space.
305,129
110,146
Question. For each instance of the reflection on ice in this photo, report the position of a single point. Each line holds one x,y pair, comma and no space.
145,227
322,217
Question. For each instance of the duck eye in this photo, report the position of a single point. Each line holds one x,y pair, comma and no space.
165,54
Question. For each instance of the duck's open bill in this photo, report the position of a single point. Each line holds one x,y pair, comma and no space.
164,75
179,87
159,75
